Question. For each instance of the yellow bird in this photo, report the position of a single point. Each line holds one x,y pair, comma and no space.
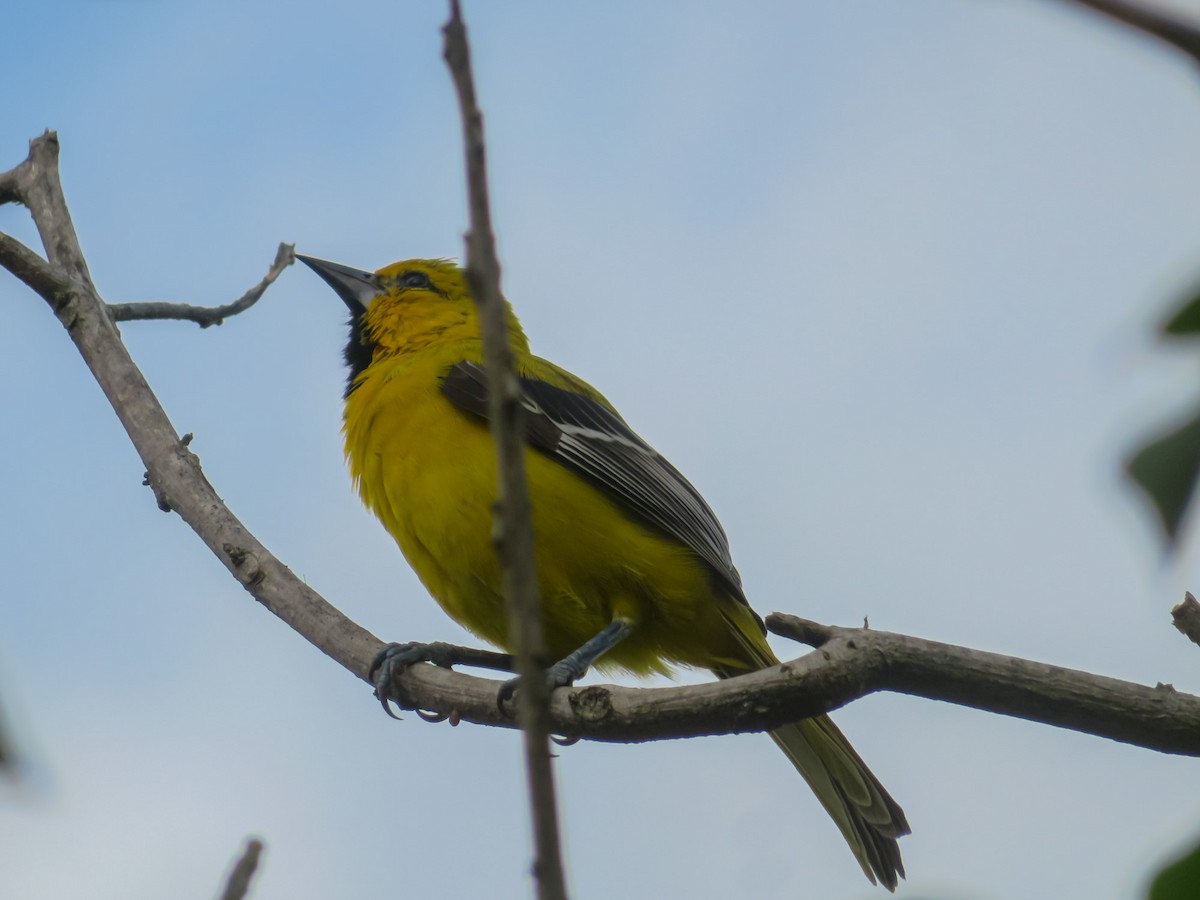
634,568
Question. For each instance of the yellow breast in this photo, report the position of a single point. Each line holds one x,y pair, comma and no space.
428,471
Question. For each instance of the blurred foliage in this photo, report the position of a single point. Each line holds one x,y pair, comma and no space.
1178,881
1167,467
1186,321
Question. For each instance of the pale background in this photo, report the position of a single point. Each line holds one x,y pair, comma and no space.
879,277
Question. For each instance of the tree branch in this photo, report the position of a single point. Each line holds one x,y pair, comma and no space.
849,663
206,316
40,190
33,270
1180,33
238,883
172,470
10,183
514,524
859,661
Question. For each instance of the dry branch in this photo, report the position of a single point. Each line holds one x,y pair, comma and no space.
514,523
33,270
206,316
859,661
238,883
1171,28
848,664
171,469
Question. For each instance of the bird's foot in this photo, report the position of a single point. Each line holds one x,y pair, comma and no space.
573,666
563,673
394,659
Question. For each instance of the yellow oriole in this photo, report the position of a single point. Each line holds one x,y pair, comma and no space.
633,566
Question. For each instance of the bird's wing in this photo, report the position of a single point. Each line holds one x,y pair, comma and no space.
589,438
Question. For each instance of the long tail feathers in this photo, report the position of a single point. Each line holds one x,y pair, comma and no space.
869,818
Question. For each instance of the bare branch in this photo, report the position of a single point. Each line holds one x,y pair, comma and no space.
35,183
205,316
10,184
849,664
238,884
1173,29
172,470
42,192
858,661
514,528
1186,617
33,270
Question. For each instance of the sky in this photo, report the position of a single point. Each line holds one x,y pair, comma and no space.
880,278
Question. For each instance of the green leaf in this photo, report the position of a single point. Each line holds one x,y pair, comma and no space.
1178,881
1186,321
1167,469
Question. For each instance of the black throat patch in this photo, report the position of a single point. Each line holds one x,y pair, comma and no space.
358,352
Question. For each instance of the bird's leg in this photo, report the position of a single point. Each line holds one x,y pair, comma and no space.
572,666
393,659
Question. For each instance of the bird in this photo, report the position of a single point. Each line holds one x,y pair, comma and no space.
634,569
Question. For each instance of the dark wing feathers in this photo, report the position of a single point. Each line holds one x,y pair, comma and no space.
589,438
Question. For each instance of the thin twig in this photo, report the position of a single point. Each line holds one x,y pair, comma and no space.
206,316
514,528
238,884
1186,617
1172,28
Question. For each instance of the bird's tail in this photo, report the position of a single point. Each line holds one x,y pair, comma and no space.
870,820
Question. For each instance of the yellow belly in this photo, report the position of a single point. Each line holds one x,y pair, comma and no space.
428,471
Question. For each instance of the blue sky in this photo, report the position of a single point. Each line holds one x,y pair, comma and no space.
880,278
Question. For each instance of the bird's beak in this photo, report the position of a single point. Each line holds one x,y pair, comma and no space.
356,287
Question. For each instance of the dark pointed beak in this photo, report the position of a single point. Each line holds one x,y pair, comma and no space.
356,287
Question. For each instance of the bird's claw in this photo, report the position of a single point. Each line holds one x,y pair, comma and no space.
504,696
391,662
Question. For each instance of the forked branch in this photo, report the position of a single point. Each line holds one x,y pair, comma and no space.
849,663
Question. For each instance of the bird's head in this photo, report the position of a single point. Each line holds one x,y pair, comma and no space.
405,307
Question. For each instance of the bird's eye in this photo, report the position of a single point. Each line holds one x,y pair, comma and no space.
414,279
